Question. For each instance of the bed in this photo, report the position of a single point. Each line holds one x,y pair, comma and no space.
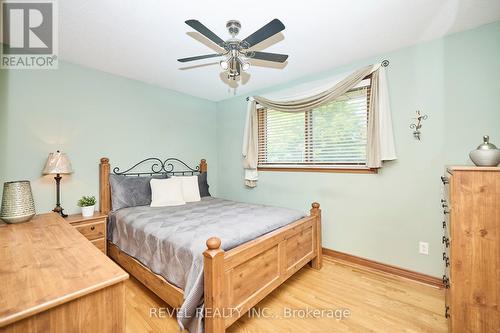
234,278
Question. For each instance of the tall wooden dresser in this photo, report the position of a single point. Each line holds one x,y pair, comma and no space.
471,207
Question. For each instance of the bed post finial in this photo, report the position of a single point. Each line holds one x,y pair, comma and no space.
104,189
315,208
213,243
203,165
317,262
213,281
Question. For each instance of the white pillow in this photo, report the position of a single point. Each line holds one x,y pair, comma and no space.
166,192
190,188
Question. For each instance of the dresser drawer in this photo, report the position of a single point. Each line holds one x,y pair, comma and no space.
100,244
92,230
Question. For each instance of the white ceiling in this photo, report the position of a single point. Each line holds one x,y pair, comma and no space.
142,39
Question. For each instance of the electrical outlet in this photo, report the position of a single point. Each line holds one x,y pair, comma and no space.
423,248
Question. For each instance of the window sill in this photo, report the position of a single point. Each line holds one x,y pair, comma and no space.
327,170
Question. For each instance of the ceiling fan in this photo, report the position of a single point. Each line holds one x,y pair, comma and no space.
236,52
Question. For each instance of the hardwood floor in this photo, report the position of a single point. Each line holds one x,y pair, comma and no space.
376,302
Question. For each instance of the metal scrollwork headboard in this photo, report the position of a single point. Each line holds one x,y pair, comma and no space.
170,166
150,166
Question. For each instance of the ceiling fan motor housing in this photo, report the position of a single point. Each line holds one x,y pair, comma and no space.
233,27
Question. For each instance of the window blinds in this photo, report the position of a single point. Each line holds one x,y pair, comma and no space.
333,135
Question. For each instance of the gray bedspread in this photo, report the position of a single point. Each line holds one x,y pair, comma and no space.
171,240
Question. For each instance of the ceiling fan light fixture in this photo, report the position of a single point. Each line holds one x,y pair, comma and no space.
234,69
244,65
224,64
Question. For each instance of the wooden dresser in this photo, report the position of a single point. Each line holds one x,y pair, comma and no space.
471,243
52,279
93,228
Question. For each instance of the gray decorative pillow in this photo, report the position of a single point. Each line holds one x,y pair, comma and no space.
130,191
203,185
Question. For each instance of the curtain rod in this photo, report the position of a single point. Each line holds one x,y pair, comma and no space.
385,63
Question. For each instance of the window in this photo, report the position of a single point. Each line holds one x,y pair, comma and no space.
331,137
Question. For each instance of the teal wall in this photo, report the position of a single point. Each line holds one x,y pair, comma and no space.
89,114
455,81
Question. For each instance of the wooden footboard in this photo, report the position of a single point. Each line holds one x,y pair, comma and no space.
238,279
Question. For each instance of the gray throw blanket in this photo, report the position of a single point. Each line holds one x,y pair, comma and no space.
171,240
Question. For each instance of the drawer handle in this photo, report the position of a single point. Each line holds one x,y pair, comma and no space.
446,259
444,224
446,241
446,312
444,180
92,228
446,282
446,211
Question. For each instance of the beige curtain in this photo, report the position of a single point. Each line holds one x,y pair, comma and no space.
373,139
250,145
317,100
380,146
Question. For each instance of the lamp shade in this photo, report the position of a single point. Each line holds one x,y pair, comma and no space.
57,163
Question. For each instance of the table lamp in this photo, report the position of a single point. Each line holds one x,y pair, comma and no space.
58,163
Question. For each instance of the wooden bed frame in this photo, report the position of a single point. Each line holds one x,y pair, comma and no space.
234,280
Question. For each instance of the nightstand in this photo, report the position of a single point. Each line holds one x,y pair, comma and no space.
93,228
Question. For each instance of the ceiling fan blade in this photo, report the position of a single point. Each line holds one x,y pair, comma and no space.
276,57
198,26
199,57
270,29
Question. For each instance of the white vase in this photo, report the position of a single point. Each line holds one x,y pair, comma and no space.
88,211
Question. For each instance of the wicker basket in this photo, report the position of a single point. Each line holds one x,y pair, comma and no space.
17,202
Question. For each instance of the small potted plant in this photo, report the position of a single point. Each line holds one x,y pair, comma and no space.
87,203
